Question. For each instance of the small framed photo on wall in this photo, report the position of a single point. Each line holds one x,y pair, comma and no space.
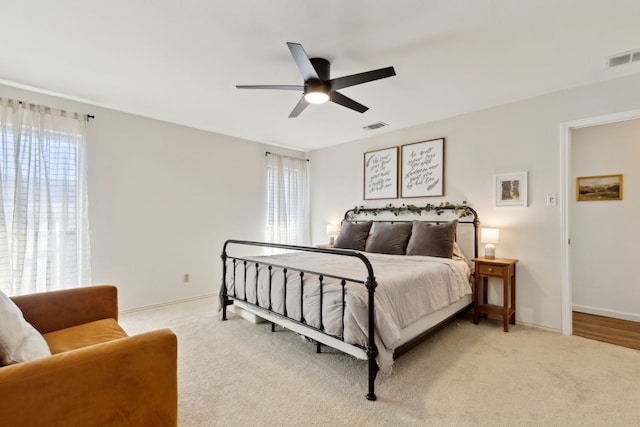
511,189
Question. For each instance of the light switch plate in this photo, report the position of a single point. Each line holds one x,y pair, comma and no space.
552,199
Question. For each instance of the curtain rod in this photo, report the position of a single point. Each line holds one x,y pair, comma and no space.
62,112
269,153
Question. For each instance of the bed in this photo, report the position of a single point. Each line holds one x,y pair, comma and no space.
393,276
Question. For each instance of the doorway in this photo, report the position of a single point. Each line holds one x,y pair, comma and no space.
568,188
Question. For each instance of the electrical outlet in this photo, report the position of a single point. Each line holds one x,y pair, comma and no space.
552,199
186,278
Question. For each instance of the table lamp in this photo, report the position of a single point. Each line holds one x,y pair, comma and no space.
332,231
490,236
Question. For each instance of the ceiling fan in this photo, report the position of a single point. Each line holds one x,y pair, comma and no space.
318,87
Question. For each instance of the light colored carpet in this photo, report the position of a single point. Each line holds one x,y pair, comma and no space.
236,373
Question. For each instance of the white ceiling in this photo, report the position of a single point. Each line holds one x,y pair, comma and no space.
179,61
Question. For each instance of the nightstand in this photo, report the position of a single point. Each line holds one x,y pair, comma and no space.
505,269
325,246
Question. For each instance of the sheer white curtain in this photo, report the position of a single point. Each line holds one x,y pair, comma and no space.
287,200
44,228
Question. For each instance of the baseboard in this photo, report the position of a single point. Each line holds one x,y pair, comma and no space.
535,325
164,304
607,313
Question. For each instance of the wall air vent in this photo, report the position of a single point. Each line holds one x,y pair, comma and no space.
623,58
375,126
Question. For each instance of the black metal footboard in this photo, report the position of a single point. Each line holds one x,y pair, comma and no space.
248,263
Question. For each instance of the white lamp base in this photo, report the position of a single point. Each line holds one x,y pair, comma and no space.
490,251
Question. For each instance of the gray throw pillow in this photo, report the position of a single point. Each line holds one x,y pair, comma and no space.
353,235
432,239
388,238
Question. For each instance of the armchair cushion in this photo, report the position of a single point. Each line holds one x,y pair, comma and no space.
19,340
84,335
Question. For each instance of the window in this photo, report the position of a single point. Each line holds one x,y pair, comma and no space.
44,231
287,200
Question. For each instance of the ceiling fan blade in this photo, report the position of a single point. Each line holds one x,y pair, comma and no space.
279,87
345,101
301,105
356,79
302,60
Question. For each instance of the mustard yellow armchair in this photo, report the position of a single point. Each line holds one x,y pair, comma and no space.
97,375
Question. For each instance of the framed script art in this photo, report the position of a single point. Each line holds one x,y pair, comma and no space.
423,169
511,189
602,187
381,174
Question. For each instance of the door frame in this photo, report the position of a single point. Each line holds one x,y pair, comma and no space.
567,186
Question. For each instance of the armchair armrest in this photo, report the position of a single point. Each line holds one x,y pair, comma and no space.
129,381
55,310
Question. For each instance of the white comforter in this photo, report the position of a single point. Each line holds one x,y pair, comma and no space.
409,287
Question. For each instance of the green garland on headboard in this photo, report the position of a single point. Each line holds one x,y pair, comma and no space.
462,209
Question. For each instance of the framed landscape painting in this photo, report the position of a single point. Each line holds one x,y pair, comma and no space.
599,188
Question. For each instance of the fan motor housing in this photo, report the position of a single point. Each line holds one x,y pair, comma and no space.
323,68
313,85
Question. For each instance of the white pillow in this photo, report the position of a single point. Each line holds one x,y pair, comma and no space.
19,340
458,254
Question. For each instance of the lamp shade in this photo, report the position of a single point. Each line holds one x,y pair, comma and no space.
490,235
333,229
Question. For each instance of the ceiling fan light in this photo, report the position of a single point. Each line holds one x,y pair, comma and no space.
316,97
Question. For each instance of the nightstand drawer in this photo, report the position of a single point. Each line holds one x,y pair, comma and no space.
492,270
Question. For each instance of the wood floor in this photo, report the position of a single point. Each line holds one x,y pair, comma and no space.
607,329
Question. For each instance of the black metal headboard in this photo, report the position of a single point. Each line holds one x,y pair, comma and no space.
464,213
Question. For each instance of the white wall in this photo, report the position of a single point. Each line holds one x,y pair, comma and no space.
522,136
162,200
605,235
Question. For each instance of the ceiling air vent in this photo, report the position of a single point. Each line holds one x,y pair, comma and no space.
375,126
623,58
